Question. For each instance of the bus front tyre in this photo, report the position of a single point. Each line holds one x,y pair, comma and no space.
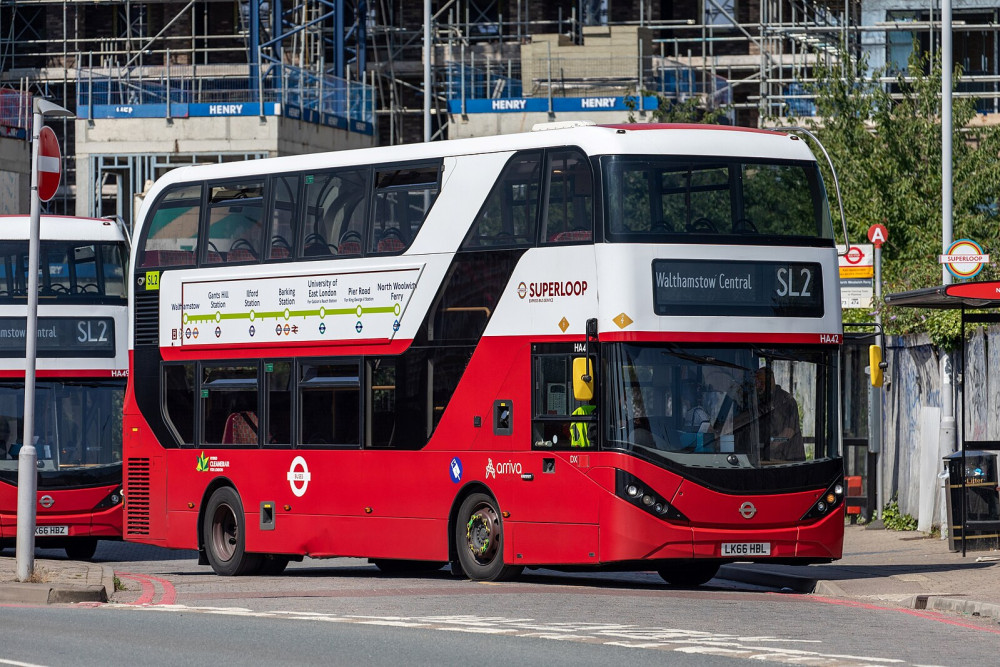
688,575
224,532
82,548
479,540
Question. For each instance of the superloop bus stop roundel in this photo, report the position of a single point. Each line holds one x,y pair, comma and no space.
978,296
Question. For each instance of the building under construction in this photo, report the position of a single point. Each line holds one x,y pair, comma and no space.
158,84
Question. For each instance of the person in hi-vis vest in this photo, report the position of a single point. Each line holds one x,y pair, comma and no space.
578,435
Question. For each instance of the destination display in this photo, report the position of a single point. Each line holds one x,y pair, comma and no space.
737,288
60,337
330,307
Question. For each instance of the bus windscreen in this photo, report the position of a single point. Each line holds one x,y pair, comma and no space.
670,198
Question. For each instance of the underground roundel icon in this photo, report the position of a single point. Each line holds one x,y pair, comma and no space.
298,476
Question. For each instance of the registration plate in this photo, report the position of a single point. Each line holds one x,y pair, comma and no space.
746,548
44,531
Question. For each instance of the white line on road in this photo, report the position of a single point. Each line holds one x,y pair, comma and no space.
629,636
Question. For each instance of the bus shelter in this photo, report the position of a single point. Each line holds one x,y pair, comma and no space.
982,520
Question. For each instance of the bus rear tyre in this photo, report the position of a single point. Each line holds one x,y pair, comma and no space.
82,548
689,575
224,534
479,540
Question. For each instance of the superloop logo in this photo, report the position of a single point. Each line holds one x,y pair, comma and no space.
548,290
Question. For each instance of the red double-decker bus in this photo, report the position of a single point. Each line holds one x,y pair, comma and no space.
81,366
584,347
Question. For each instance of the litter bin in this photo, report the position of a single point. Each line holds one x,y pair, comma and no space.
981,527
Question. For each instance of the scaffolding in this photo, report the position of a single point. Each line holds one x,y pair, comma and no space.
358,64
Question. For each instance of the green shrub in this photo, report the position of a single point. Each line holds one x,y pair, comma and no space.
893,520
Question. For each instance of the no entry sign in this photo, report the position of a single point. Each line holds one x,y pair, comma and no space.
49,164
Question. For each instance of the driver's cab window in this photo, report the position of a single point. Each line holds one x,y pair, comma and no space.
562,419
235,222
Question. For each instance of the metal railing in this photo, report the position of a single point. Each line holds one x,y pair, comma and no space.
15,113
583,77
223,84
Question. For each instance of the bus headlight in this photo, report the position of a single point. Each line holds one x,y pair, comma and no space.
637,493
111,500
831,499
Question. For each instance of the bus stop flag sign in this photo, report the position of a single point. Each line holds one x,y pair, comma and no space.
49,167
964,259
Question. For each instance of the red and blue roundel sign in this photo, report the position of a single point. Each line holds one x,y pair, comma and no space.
965,258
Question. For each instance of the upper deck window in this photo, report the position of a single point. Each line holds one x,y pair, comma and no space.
336,208
569,212
508,218
235,222
674,199
403,198
73,271
172,233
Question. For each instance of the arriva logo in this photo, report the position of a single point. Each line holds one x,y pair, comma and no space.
502,468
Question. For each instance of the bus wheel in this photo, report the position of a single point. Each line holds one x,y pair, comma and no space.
82,548
479,540
272,564
223,532
689,575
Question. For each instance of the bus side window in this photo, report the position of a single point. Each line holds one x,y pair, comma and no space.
178,400
336,210
278,385
284,220
229,405
509,215
568,213
235,222
172,233
402,199
329,404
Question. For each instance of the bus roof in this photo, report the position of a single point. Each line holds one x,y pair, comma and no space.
627,139
60,228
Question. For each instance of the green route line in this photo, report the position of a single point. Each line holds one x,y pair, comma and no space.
289,314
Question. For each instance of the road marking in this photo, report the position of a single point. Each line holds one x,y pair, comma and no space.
19,664
770,648
148,583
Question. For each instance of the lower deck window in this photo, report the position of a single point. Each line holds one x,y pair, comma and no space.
229,400
329,404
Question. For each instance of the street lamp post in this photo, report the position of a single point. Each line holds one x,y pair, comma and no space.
27,487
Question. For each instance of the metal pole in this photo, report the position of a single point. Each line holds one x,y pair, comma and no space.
947,431
548,45
168,84
427,70
27,458
461,70
875,400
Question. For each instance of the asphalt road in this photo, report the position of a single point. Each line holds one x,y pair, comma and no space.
345,611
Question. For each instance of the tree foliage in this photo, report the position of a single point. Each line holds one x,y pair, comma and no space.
885,141
690,110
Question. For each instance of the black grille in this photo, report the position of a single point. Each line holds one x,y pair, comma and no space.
147,318
137,497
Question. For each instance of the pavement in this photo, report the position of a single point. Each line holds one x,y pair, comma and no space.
56,581
884,567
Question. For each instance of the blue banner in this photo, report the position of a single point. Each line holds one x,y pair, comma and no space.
178,110
541,104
